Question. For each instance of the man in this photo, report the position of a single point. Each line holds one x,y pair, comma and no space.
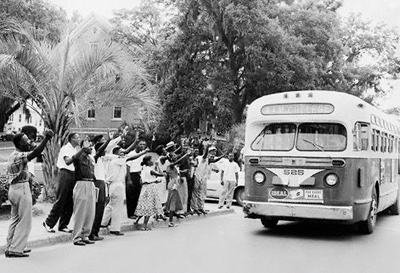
19,193
84,195
115,177
63,207
205,164
229,180
133,187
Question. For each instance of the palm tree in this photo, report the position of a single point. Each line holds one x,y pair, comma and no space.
63,79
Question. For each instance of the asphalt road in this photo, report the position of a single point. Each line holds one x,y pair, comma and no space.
227,243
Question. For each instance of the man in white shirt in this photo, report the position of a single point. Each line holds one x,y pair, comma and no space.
229,180
63,208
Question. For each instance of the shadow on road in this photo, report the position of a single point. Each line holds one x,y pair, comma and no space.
311,230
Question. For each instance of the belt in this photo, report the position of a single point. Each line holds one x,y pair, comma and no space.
86,179
19,182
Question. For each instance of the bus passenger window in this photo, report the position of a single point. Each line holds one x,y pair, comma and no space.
360,137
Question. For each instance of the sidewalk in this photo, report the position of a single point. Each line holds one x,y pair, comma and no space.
40,237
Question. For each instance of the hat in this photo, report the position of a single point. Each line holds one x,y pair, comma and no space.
212,148
169,145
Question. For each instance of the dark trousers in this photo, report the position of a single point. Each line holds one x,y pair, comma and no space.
132,191
63,208
100,205
190,183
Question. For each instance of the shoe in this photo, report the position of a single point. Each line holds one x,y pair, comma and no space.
47,228
27,250
203,211
190,212
180,216
162,217
117,233
66,230
228,207
88,242
220,207
95,238
13,254
197,212
172,225
80,243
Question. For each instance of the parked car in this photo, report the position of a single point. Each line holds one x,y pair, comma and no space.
214,187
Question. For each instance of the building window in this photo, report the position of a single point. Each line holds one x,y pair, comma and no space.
19,118
117,112
91,113
12,117
94,46
40,122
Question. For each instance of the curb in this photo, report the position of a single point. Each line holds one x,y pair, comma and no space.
67,238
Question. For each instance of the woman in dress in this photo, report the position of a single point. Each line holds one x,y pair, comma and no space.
149,203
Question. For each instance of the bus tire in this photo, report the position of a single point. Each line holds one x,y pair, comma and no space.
367,226
395,208
239,195
269,222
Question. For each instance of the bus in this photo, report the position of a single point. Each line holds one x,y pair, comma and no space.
320,155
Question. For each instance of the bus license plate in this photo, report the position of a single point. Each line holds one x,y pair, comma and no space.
296,195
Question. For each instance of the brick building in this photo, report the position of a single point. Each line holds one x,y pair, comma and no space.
91,33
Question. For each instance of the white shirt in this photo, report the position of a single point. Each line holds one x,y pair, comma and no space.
134,165
230,169
146,175
66,150
116,169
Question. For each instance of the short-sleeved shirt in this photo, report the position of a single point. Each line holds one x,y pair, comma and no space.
66,150
146,175
134,165
17,167
230,169
84,167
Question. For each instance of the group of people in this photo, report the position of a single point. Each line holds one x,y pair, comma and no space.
92,178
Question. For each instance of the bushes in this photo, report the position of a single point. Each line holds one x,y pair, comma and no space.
36,189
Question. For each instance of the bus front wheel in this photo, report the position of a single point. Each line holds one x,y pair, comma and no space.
367,226
269,223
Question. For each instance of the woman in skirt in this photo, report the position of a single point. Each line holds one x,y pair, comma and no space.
149,201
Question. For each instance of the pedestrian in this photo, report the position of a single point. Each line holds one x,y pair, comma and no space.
115,178
133,185
229,180
19,193
190,181
174,201
84,195
149,200
63,207
99,183
161,166
205,164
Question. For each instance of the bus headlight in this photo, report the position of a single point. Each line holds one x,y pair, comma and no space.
259,177
331,179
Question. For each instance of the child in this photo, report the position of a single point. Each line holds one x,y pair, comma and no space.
149,203
174,202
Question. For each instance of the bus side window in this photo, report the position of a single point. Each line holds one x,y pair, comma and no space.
377,137
360,137
373,140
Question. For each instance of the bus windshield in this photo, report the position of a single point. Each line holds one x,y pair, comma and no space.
310,137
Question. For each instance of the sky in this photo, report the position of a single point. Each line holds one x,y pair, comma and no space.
100,7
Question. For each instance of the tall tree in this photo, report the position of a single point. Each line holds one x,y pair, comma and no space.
63,79
45,19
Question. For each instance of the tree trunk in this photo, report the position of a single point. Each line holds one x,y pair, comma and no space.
50,171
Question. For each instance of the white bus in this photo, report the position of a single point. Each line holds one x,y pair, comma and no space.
320,155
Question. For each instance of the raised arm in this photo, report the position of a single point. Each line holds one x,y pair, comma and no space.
39,149
138,155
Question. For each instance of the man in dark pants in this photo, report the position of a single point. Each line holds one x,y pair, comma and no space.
133,187
99,171
63,207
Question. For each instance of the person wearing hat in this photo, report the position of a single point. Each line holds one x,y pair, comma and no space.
205,164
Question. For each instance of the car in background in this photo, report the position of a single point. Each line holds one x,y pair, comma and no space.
214,187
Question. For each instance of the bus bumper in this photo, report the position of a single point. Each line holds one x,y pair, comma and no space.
297,211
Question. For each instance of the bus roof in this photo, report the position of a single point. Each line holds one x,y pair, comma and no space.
318,103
